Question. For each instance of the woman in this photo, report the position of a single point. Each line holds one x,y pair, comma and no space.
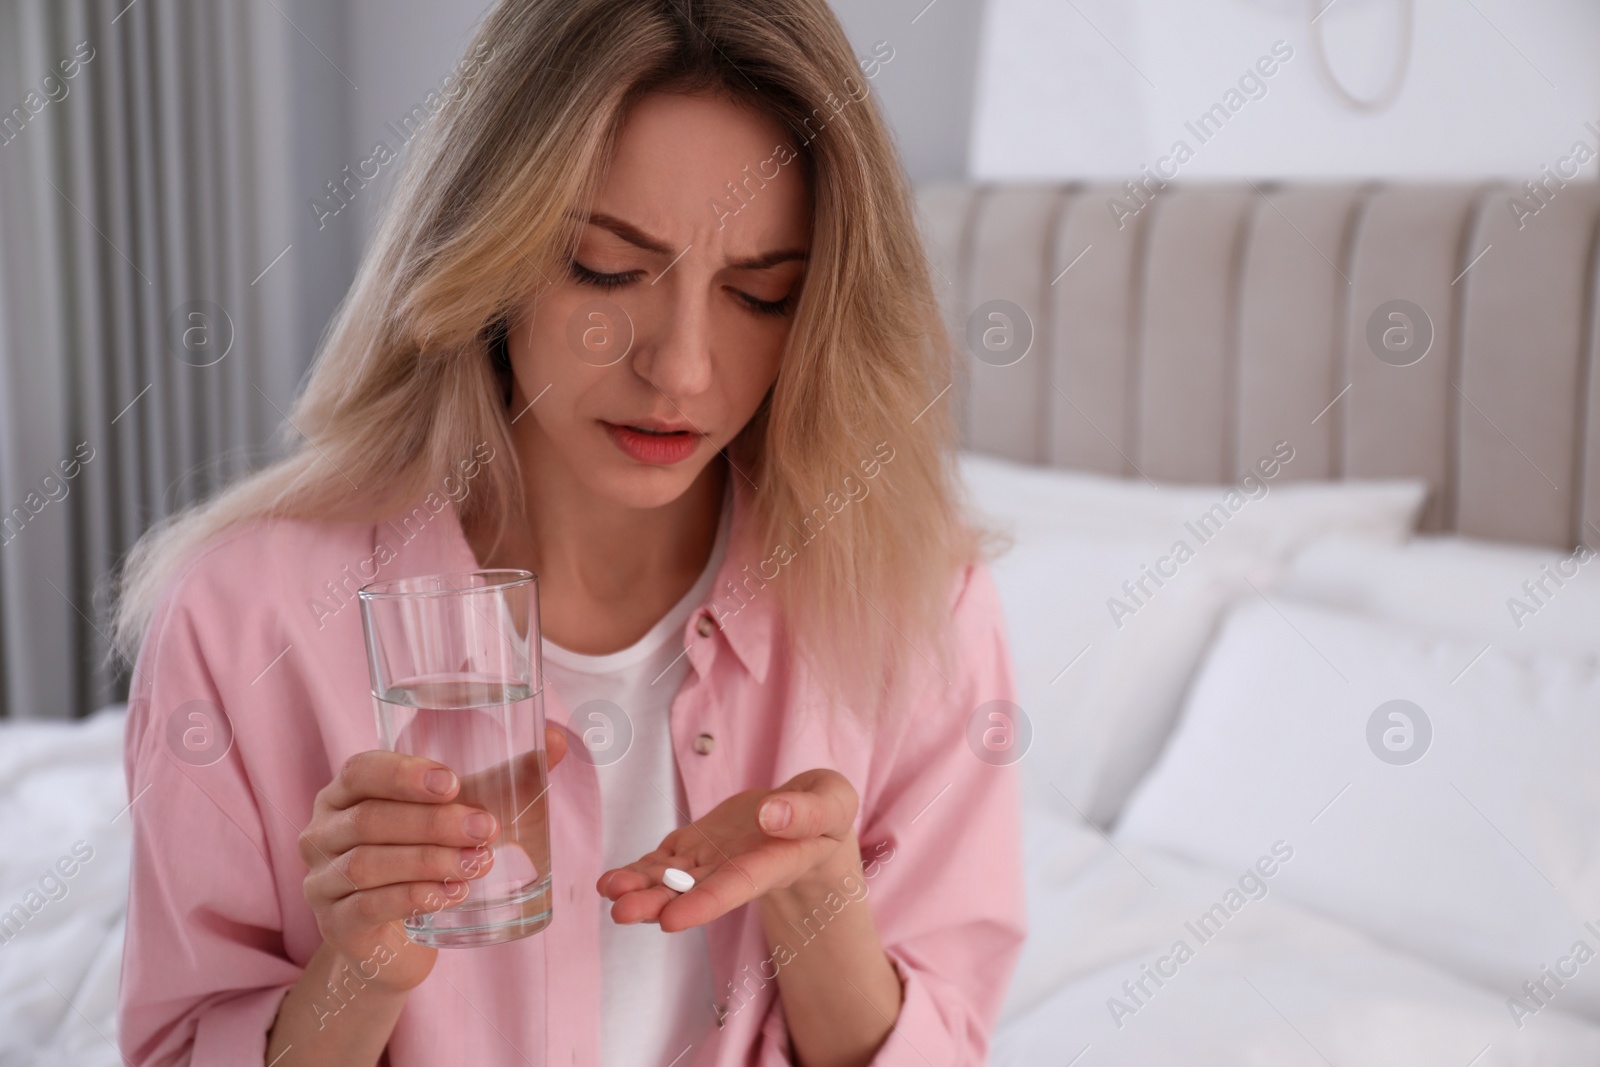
647,316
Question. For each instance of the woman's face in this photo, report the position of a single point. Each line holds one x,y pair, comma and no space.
675,311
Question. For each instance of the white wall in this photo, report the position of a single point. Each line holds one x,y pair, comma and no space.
400,49
1098,88
1046,89
926,90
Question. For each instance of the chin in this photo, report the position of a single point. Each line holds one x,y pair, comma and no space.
641,486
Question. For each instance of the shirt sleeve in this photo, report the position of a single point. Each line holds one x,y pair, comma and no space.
941,845
203,967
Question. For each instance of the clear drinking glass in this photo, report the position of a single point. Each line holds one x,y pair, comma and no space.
457,678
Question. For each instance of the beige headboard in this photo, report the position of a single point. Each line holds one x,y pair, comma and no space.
1179,335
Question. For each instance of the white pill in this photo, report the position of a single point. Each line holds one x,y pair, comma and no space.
682,881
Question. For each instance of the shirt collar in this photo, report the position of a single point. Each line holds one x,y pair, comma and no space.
743,599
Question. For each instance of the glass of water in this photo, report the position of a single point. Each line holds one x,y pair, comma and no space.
457,678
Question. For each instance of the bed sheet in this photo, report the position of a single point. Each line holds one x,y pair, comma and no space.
63,805
1102,980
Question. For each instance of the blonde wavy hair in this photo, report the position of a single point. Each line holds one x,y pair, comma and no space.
405,382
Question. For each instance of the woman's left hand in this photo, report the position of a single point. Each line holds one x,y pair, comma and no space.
748,845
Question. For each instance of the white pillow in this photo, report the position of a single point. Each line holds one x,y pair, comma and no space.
1259,514
1513,596
1101,669
1100,699
1482,855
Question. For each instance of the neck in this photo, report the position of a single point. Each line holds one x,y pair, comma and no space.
577,540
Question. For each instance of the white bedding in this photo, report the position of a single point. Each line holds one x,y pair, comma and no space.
1275,986
1357,952
1478,854
61,785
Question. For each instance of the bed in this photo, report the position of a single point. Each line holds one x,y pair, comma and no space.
1317,786
1303,480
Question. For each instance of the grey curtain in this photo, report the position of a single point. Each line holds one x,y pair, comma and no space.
154,318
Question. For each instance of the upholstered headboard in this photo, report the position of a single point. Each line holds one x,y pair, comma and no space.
1179,334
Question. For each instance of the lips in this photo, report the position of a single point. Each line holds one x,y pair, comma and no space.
656,426
652,442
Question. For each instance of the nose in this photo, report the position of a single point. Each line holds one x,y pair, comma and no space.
672,351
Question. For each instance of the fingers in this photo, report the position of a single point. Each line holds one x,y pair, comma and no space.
395,776
642,872
390,903
390,776
641,897
643,879
617,883
369,867
614,883
555,746
390,822
716,892
641,906
720,886
824,806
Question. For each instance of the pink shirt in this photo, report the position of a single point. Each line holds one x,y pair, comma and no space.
265,625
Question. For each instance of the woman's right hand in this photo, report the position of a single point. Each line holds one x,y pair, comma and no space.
386,841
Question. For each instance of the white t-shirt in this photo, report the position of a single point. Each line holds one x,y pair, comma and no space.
656,988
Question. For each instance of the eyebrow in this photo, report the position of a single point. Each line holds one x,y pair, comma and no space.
639,239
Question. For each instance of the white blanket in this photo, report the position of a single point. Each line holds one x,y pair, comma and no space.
62,797
1276,986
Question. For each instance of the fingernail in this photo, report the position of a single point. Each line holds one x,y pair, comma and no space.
474,861
440,780
479,824
775,815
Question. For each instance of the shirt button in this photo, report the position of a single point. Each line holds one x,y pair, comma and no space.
704,744
705,626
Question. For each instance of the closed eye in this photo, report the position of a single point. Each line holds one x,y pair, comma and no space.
765,307
585,276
